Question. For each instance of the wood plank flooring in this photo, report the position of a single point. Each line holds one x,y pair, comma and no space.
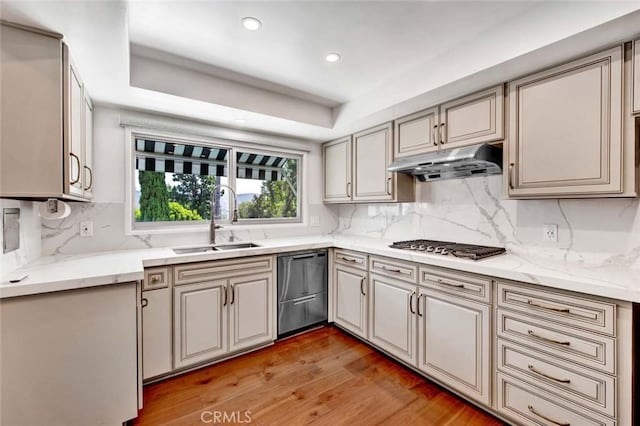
323,377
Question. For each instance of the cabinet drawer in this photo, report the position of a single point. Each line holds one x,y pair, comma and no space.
567,309
473,286
394,268
530,405
574,345
351,258
203,271
579,384
156,278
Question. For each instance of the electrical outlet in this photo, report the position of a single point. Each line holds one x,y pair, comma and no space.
86,229
550,232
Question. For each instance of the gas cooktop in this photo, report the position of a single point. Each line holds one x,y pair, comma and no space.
444,248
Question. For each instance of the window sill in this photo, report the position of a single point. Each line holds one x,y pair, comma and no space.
197,229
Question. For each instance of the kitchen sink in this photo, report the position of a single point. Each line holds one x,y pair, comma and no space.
190,250
235,246
209,248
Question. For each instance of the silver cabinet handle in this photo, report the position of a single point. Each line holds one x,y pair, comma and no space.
413,293
305,299
533,370
348,259
224,303
348,189
450,284
511,166
144,302
397,271
388,186
441,132
557,342
88,187
434,136
418,305
362,285
555,422
547,307
233,295
77,179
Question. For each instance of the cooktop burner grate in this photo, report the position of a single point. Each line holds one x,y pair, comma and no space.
468,251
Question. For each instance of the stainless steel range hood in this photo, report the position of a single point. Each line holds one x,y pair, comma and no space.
475,160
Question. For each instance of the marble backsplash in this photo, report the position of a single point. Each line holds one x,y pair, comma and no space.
591,231
60,237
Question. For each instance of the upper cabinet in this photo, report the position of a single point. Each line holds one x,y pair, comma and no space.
567,131
47,118
636,77
355,169
468,120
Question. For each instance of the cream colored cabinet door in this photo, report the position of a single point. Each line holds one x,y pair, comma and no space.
336,157
200,322
372,154
351,299
472,119
416,133
392,317
565,129
636,77
454,340
156,332
250,310
75,110
87,163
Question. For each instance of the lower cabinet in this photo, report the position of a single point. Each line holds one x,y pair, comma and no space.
454,342
214,318
350,304
156,332
392,317
200,322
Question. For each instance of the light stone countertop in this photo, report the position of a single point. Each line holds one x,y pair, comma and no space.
56,273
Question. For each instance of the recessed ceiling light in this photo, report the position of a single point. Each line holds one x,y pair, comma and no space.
251,23
332,57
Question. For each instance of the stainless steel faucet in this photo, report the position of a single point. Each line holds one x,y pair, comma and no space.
234,217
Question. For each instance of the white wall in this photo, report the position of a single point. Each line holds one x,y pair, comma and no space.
596,231
30,246
107,211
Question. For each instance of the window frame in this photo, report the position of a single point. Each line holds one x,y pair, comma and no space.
160,227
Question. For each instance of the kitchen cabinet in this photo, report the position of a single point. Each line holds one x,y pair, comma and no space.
222,307
563,356
392,318
156,333
250,311
70,357
87,148
350,305
471,119
337,170
636,77
455,342
48,156
355,169
567,130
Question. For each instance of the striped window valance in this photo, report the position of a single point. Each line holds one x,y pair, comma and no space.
257,166
162,156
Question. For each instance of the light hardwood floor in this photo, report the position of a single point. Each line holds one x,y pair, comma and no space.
324,377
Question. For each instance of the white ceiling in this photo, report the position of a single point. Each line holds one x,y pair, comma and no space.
397,56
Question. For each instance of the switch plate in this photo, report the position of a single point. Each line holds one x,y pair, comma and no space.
550,232
315,221
10,229
86,229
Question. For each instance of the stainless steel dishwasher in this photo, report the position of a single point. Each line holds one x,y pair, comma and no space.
302,291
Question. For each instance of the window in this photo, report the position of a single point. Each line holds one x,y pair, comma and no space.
178,183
